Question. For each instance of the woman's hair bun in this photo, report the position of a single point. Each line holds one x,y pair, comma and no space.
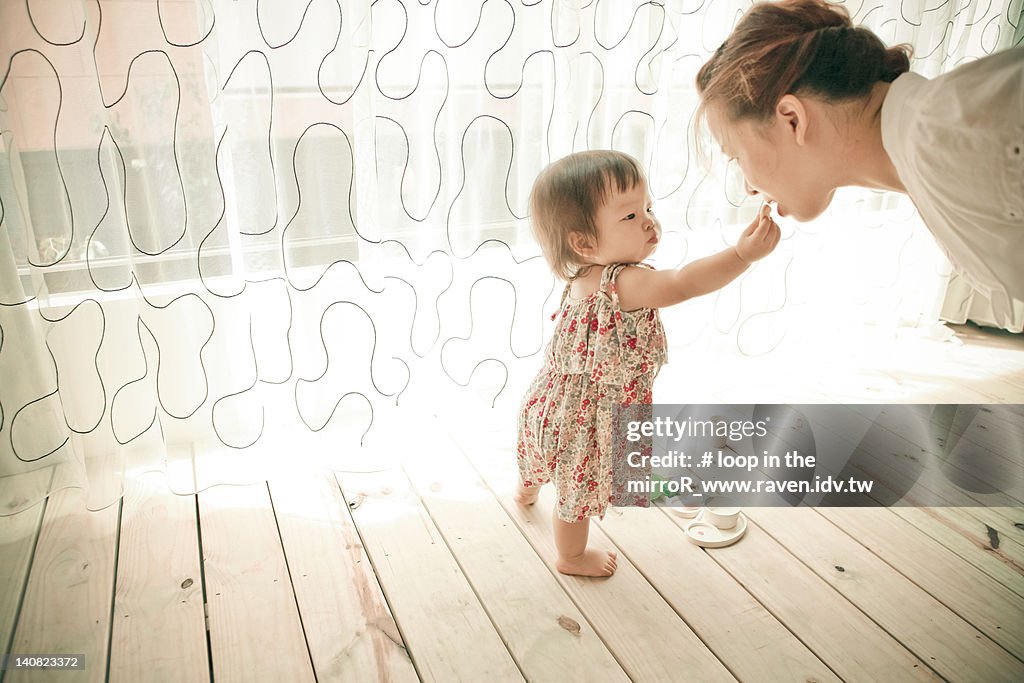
796,46
895,62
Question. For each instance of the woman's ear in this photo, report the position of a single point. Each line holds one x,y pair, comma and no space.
792,113
580,243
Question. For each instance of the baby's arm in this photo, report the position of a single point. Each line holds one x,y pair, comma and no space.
645,288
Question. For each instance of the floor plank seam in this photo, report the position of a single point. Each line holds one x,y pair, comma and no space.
851,602
668,602
965,474
348,507
202,581
997,553
880,460
291,581
113,587
28,573
921,588
765,607
550,568
993,510
469,581
1006,538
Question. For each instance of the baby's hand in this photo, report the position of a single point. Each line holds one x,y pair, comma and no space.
760,238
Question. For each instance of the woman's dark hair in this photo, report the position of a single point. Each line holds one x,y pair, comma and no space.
800,47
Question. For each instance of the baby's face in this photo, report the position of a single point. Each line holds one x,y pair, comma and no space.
628,232
773,164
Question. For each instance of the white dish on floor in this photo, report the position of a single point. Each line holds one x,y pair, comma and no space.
724,517
688,511
707,535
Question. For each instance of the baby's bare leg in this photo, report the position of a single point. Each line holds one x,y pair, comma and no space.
573,555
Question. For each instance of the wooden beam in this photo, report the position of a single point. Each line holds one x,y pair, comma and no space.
255,629
926,627
548,636
159,620
349,627
447,630
70,588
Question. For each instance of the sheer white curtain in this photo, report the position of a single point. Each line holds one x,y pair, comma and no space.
250,229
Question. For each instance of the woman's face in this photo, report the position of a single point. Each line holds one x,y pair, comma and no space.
776,160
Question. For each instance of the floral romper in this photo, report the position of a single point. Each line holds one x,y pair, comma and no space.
598,358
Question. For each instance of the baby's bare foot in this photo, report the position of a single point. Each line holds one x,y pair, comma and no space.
526,496
590,563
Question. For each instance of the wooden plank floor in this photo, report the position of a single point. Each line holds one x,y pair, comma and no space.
427,570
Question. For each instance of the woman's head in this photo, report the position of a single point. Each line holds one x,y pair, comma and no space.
782,58
570,199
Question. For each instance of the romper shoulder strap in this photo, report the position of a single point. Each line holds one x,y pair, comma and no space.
609,276
561,303
607,286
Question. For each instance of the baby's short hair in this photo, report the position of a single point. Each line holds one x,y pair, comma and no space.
566,196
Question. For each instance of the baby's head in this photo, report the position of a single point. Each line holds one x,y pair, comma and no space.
567,197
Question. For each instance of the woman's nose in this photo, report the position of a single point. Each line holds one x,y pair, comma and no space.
750,190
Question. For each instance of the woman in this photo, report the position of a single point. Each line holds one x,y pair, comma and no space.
806,103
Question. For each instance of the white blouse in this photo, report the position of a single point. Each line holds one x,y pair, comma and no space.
957,142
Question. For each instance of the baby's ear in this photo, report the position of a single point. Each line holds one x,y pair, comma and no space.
580,243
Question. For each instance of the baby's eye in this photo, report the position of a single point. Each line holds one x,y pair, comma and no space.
630,217
650,209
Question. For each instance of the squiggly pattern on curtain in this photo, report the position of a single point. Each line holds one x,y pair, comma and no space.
225,219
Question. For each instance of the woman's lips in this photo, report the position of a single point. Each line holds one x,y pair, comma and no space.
778,207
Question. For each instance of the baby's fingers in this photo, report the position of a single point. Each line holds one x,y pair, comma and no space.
764,229
752,228
766,238
764,213
775,234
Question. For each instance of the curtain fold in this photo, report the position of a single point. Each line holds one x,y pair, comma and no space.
252,230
